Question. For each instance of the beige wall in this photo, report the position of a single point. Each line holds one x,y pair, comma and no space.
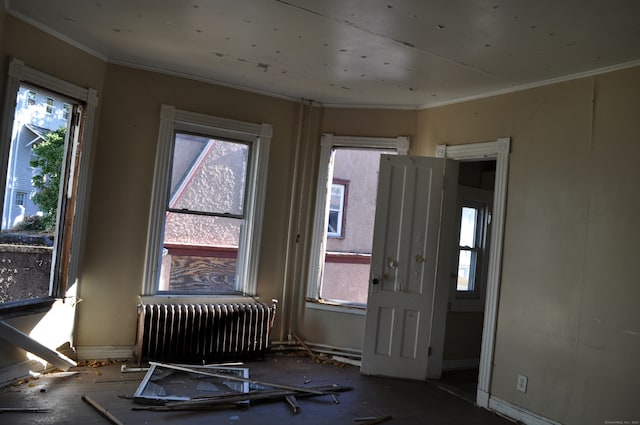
567,315
123,176
59,59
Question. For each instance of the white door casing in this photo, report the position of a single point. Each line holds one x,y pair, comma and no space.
498,150
404,266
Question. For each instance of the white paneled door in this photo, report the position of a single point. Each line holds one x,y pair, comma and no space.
402,287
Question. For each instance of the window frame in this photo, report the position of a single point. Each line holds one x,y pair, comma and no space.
21,198
477,248
470,301
328,143
342,212
173,120
21,74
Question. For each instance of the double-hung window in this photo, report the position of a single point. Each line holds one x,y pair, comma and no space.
471,256
470,246
205,223
341,254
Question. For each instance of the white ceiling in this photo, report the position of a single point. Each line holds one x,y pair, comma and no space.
382,53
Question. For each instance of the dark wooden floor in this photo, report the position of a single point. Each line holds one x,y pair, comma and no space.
408,402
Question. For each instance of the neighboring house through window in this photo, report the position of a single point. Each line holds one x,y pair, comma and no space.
341,256
206,218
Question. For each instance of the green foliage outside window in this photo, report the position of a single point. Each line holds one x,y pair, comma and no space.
48,161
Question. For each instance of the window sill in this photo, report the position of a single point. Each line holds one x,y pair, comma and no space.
25,308
315,304
196,299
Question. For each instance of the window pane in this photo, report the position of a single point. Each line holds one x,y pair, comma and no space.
200,253
468,223
337,192
464,271
343,280
333,223
336,210
208,175
202,230
345,275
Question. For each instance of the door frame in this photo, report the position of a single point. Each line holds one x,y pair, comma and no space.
498,150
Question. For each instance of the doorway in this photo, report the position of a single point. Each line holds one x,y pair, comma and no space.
465,307
497,150
400,328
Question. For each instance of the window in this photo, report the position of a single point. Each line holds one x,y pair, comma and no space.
31,98
474,225
49,106
45,212
340,260
469,248
66,110
337,207
20,198
205,224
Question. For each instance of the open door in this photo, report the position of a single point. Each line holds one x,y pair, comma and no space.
402,289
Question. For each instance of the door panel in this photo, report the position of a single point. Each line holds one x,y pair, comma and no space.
403,267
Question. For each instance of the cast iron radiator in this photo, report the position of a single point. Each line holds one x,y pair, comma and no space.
202,333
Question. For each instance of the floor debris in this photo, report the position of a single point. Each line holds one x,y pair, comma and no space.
104,412
172,387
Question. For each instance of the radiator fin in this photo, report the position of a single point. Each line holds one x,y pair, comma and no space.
202,333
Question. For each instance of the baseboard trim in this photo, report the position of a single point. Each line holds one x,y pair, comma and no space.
9,374
482,398
518,413
105,352
460,364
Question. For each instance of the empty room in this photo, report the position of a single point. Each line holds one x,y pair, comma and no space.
270,211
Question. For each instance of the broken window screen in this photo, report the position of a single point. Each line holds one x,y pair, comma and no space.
205,214
167,383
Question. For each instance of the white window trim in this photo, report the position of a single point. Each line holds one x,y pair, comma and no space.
20,73
172,119
319,240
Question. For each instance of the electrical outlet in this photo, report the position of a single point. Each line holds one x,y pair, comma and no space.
521,385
